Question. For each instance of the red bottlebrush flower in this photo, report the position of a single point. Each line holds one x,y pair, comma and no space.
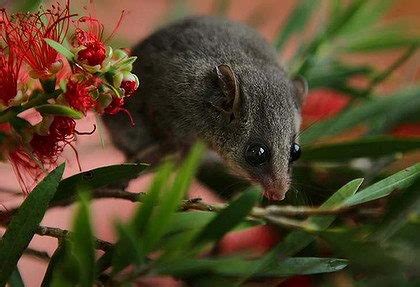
5,127
407,130
63,128
45,148
116,106
78,96
93,50
323,103
257,240
27,170
28,32
10,66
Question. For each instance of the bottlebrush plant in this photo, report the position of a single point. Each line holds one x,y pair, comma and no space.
39,75
352,216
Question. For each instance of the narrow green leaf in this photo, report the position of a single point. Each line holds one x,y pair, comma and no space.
140,221
398,211
295,241
82,242
171,199
60,49
127,251
296,21
24,223
376,109
369,147
384,187
96,178
365,17
379,40
56,260
151,199
229,217
15,279
238,267
59,110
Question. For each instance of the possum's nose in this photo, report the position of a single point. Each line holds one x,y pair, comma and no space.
275,189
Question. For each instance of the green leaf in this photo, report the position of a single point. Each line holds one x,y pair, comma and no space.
151,199
27,5
367,15
380,39
56,260
376,109
237,267
24,223
59,110
171,200
127,250
400,180
82,242
398,212
15,279
229,217
60,49
141,218
295,241
296,21
96,178
368,147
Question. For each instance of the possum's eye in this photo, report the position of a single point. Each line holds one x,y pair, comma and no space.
295,152
257,154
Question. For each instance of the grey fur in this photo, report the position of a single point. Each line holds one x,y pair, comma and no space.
174,105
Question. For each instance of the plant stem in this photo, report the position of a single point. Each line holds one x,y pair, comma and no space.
62,234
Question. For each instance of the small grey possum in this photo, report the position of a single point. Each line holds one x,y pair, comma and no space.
209,79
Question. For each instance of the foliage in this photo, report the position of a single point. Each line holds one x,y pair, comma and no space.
361,184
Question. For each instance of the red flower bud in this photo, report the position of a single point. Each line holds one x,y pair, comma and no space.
115,106
129,87
94,53
78,96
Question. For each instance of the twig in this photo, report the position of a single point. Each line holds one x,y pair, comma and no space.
62,234
38,254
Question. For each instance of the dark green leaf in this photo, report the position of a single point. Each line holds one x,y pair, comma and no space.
229,217
25,221
368,147
82,242
56,260
296,21
96,178
238,267
398,212
59,110
15,279
400,180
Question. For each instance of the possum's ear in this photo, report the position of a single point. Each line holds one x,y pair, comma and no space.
301,90
230,88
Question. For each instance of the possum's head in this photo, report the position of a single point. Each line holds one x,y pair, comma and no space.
259,118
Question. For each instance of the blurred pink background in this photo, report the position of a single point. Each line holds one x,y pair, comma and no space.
142,18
